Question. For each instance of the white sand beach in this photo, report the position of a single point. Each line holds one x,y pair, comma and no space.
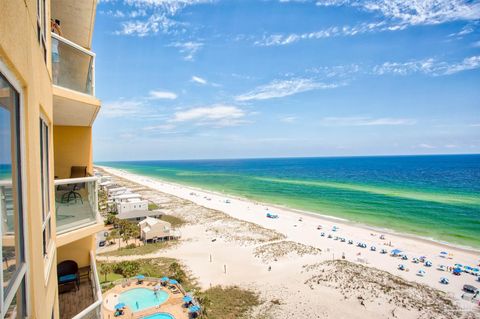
230,241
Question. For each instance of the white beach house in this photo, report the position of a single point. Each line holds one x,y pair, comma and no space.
153,228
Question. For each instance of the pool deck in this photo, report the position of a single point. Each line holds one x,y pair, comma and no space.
173,305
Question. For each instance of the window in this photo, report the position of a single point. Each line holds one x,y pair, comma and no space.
42,26
12,277
45,185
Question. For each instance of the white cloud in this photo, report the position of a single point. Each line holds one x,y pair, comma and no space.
366,121
121,108
428,66
395,15
217,115
476,44
162,127
288,119
188,49
427,146
414,12
199,80
158,95
154,24
282,88
149,17
336,31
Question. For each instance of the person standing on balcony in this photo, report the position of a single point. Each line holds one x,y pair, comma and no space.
55,28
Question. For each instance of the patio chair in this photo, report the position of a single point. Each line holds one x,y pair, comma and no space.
67,273
73,194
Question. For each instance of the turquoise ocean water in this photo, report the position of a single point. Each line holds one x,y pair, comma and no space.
436,197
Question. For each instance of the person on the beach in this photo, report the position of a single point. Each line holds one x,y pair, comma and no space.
269,268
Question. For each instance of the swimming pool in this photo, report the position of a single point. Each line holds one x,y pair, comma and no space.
161,315
142,298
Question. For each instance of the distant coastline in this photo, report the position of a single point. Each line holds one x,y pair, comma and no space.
432,205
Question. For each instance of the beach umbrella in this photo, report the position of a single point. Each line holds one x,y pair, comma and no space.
396,251
444,280
457,270
172,282
421,272
475,271
458,266
165,279
140,277
443,253
120,305
187,299
467,268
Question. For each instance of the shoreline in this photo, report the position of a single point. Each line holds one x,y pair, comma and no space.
319,216
287,258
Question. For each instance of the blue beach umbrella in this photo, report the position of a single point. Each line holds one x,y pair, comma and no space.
443,253
458,265
140,277
457,270
194,309
119,305
172,282
187,299
396,251
165,278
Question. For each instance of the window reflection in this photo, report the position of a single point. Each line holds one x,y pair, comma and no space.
11,223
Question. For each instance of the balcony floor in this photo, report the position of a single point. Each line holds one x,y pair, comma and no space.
73,301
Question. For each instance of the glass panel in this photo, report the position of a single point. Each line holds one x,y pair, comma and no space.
76,204
72,68
11,221
17,306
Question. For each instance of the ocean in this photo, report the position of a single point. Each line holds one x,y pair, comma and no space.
436,197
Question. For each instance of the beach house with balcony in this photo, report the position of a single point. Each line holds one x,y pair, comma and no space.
48,194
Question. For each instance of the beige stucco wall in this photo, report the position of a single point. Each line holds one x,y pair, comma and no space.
73,147
21,53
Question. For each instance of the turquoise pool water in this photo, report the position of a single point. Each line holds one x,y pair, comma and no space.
142,298
160,316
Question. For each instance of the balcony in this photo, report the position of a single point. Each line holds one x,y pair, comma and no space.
86,302
76,204
73,72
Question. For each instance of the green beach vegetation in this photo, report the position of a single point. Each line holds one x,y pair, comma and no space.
217,302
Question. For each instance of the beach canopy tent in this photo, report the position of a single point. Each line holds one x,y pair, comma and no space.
120,305
187,299
172,282
457,270
165,279
194,308
475,271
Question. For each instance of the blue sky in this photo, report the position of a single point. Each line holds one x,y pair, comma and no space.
184,79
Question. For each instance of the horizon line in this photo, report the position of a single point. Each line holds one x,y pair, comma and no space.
289,157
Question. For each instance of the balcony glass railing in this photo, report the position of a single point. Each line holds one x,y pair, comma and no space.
73,66
76,203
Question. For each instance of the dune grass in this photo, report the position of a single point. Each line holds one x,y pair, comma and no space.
142,249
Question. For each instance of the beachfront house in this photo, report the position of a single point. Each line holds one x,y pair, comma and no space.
153,228
132,204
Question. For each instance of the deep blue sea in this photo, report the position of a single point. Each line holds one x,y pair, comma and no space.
436,197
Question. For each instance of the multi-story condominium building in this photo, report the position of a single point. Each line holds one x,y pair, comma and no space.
48,196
